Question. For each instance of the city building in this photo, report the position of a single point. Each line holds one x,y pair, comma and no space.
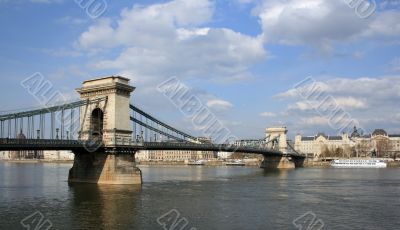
177,155
315,145
174,155
377,144
38,155
58,155
224,155
21,154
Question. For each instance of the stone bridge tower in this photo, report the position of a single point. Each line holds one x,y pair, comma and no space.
108,120
106,161
278,162
281,134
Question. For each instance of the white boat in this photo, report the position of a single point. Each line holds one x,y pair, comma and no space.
235,163
199,162
357,163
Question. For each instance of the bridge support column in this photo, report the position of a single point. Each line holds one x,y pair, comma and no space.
105,168
277,162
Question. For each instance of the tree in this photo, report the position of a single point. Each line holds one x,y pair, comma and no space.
338,152
237,155
325,151
363,148
382,147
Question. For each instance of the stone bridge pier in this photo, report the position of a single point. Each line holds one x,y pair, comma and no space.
109,123
277,162
280,162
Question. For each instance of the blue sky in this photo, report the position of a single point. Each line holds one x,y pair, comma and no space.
242,58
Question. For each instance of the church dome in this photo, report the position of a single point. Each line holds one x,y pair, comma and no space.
355,133
21,136
379,132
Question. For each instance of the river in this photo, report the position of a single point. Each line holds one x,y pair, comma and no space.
198,197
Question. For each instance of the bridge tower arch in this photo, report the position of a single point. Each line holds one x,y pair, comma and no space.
97,123
107,161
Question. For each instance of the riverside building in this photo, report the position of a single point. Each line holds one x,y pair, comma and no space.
377,144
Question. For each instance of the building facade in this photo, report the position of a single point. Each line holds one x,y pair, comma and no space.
37,155
377,144
174,155
315,145
58,155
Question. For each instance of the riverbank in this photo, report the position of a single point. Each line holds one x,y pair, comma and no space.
35,161
307,164
393,164
206,163
317,164
327,164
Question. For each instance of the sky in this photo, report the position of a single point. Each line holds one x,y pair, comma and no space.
303,64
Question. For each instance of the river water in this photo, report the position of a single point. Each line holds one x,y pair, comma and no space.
196,197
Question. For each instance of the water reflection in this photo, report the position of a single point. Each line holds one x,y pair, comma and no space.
103,206
276,172
193,173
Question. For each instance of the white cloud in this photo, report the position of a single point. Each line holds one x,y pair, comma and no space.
363,89
348,103
267,114
315,121
309,21
363,100
322,23
168,39
351,103
148,26
385,24
219,104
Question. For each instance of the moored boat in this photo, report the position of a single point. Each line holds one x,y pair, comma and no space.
358,163
198,162
235,163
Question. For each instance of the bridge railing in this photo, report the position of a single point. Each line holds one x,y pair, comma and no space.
127,142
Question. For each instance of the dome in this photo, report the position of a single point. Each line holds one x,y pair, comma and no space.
21,136
379,132
355,132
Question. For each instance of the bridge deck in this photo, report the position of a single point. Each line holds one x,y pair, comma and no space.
86,146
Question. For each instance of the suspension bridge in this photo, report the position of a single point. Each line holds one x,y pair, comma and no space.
104,131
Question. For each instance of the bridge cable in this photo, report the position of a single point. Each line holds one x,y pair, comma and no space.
170,128
156,130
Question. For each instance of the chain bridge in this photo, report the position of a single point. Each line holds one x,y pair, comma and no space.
104,131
